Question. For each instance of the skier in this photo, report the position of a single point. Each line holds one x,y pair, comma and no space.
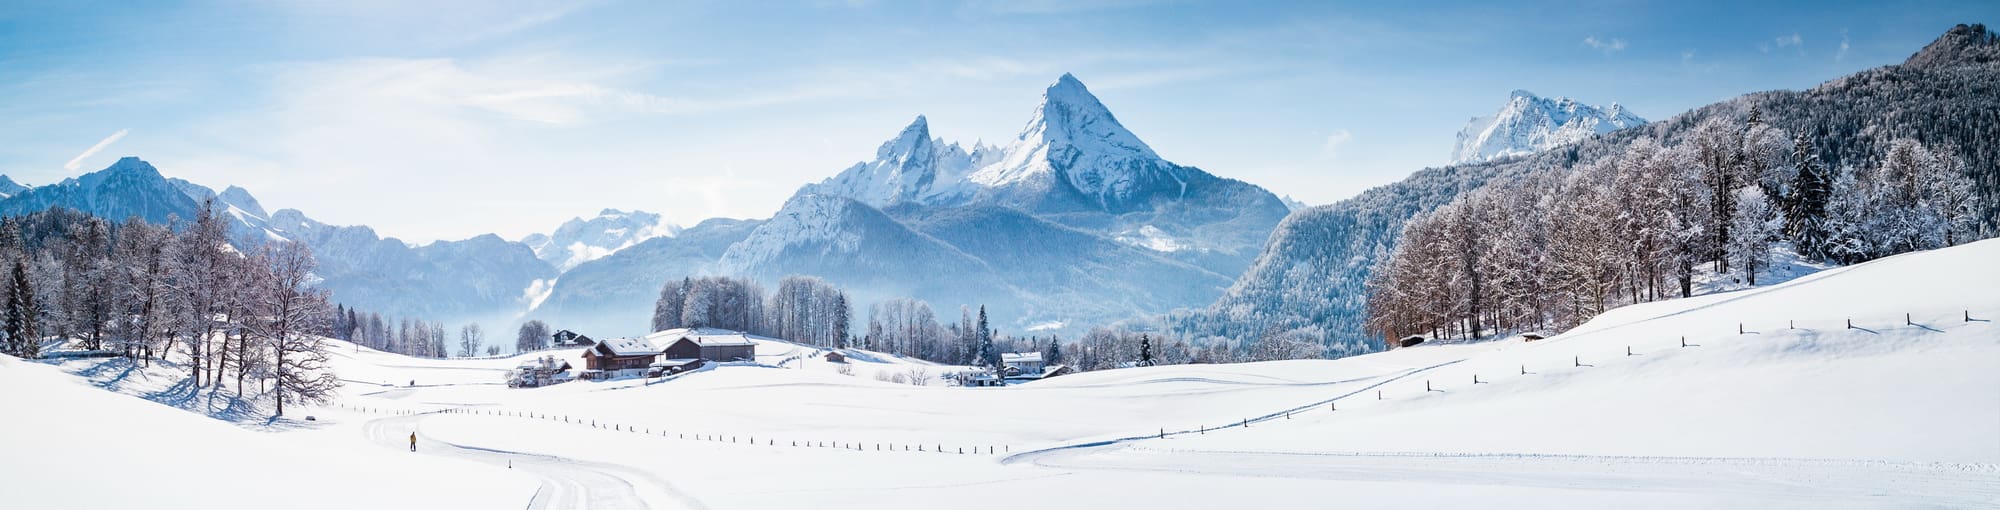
413,441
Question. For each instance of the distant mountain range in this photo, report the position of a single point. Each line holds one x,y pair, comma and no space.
579,240
1073,223
1528,124
480,279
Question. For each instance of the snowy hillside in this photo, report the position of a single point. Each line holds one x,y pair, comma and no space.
83,436
1797,410
1313,271
579,240
1528,124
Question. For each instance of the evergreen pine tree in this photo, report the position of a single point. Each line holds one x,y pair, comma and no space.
1053,355
1812,189
987,355
1145,350
22,332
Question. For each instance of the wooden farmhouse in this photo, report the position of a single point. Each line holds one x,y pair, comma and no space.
667,352
706,344
619,357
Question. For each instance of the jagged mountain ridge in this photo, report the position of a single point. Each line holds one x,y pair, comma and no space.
579,240
1528,124
1075,164
1074,221
478,279
1311,273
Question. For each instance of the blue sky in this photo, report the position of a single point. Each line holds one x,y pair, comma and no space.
443,120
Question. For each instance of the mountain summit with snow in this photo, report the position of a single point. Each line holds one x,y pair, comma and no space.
1529,124
579,240
1074,220
912,167
1074,148
1072,156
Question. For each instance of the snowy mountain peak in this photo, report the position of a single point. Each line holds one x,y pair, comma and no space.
1529,123
1071,115
915,137
579,240
911,167
1074,142
10,188
240,198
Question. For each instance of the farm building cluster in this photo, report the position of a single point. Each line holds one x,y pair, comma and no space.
667,352
1017,367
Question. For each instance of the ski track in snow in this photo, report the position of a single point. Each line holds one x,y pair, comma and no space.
566,483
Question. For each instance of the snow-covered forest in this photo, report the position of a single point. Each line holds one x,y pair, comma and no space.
250,324
813,312
1312,277
1554,249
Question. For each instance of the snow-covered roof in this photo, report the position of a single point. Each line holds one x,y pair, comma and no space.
629,347
707,337
1021,357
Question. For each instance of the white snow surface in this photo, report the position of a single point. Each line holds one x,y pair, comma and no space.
1528,124
1887,414
69,444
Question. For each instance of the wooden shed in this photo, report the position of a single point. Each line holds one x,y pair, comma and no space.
836,357
1409,341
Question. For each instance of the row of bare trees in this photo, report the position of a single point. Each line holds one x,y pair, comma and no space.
1556,248
235,319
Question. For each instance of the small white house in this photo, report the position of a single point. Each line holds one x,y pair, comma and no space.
1022,362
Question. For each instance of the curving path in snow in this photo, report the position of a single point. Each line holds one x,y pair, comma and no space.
566,483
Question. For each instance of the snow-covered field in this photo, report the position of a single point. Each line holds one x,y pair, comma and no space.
1797,411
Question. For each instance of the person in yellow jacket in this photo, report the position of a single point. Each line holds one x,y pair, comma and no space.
413,441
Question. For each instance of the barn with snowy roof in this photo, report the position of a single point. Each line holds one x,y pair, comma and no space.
708,344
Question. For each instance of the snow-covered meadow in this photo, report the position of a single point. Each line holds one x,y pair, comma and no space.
1798,410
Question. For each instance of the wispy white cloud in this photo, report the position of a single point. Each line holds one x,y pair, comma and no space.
77,162
1334,142
1782,42
1842,54
1608,46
